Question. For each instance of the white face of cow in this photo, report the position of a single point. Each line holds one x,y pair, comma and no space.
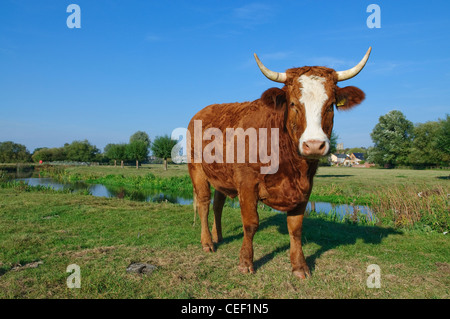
313,141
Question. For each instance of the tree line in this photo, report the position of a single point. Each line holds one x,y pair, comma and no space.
399,142
137,150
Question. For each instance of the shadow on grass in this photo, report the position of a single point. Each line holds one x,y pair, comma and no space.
334,175
327,234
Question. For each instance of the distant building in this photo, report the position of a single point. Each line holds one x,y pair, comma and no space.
356,158
340,147
338,159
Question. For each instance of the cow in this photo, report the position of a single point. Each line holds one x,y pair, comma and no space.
300,115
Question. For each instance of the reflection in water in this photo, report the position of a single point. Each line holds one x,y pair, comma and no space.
100,190
149,195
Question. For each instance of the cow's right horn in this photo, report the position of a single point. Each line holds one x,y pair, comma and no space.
271,75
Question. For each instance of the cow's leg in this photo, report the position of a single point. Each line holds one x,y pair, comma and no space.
295,222
219,201
250,222
203,199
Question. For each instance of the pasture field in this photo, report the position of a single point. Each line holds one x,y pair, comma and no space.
52,230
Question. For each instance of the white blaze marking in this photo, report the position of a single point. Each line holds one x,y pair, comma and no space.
313,98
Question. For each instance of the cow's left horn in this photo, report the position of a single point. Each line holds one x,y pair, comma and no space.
348,74
271,75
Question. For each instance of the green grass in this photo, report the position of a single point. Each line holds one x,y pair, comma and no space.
103,236
127,171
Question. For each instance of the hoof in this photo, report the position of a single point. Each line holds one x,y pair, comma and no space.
246,269
208,248
302,273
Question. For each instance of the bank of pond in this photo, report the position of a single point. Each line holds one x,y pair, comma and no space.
149,188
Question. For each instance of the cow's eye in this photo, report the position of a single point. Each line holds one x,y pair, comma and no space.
292,104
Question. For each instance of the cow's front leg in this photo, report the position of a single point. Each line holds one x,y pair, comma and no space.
250,222
295,222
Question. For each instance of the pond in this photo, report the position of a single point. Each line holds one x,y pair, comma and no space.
100,190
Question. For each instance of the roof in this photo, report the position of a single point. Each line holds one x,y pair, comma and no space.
344,156
359,156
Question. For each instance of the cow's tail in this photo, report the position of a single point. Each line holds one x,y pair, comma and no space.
194,204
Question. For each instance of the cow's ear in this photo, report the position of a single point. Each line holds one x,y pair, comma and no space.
348,97
274,97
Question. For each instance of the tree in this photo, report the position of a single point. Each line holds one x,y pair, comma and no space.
81,151
11,152
42,154
162,148
140,136
392,138
137,150
116,152
443,140
424,150
333,142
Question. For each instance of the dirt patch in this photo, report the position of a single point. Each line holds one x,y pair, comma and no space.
443,267
35,264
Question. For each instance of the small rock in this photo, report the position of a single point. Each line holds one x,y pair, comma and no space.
50,217
141,268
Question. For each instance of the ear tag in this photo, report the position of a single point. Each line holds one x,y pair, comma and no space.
341,102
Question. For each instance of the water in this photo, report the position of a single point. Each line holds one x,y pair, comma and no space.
100,190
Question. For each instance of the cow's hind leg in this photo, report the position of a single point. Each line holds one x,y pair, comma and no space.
295,223
219,201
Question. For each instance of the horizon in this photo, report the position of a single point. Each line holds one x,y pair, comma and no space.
135,66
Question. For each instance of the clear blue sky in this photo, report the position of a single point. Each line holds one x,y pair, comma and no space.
151,65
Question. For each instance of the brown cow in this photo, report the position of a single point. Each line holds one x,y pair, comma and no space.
300,119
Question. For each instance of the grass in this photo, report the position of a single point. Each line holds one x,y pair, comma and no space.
128,171
103,236
44,231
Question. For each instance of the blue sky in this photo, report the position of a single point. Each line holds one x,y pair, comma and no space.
151,65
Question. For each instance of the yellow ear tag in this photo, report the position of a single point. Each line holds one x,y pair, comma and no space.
341,102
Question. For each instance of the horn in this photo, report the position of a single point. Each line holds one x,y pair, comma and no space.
348,74
271,75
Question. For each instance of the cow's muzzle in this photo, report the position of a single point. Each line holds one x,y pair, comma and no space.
314,148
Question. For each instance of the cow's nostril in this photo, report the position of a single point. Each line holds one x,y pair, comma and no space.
322,146
305,146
